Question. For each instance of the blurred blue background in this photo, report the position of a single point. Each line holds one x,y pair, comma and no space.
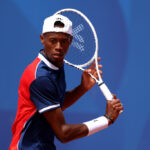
123,28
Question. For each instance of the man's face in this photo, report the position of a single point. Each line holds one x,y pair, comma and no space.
56,45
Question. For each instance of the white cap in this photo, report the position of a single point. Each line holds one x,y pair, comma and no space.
49,24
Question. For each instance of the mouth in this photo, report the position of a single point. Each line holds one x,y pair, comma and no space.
58,55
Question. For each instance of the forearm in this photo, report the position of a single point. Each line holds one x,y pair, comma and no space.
68,132
86,84
72,131
72,96
64,132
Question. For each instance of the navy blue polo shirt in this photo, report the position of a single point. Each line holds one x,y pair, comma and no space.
42,88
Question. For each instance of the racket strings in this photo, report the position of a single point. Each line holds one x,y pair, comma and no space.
82,48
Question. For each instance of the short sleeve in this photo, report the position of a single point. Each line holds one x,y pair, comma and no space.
43,93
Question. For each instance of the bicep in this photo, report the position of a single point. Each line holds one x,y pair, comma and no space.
55,119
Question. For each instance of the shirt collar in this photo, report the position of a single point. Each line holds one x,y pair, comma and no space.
48,63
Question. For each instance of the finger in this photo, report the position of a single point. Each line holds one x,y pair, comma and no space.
101,73
95,72
117,105
93,64
119,108
100,66
92,72
88,70
98,59
96,75
115,101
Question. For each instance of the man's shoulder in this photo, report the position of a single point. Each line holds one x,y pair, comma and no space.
36,69
29,73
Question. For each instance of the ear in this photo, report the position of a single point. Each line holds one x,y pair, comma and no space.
42,38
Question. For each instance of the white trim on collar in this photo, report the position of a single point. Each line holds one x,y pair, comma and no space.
49,64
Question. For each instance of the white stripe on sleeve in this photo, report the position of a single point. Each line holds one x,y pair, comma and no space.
49,107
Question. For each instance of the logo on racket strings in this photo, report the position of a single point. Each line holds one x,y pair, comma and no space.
79,41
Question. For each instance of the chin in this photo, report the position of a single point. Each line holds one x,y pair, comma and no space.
58,62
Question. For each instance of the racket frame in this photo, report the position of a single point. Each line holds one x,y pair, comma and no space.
106,92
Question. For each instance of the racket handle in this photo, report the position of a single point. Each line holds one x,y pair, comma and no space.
106,92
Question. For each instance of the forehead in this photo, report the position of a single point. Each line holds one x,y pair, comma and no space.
58,35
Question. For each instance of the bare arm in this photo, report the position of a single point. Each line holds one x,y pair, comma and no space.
86,84
67,132
63,131
72,96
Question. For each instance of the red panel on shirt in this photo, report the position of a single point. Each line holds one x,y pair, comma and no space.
26,108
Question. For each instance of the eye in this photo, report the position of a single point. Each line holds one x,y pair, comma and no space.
53,41
65,41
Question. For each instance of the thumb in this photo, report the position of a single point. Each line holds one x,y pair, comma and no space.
88,70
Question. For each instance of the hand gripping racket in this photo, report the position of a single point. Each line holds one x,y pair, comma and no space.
84,48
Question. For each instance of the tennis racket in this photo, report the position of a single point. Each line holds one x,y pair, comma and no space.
84,48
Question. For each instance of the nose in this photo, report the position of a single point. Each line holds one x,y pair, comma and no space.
58,46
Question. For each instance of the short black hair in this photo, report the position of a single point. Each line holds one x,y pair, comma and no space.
59,24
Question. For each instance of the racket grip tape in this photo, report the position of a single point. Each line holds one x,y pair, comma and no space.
106,92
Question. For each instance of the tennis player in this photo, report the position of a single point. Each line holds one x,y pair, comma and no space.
43,96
